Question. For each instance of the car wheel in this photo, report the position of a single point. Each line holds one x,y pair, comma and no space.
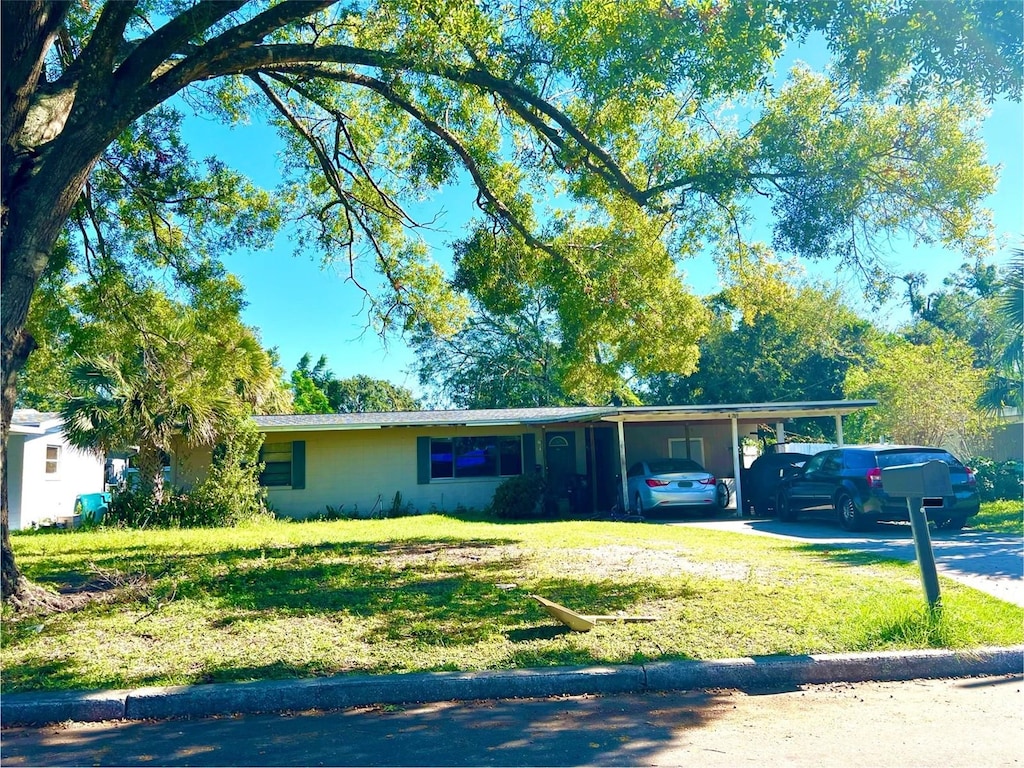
638,506
849,518
951,523
786,513
722,496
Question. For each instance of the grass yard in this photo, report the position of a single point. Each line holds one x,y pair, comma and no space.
441,593
999,517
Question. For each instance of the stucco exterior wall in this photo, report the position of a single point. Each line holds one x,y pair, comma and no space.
189,465
647,441
361,470
41,496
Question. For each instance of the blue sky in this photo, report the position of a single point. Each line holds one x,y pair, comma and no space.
300,307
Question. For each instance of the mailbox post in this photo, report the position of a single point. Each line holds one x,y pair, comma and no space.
924,486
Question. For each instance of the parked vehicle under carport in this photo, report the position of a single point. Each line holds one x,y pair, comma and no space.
761,481
673,483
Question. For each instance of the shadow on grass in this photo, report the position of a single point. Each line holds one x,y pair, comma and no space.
850,557
38,672
423,593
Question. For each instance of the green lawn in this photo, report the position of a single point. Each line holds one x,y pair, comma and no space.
999,517
440,593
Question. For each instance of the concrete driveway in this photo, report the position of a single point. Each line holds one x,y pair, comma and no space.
990,562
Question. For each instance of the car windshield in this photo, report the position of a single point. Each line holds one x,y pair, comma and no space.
896,458
667,466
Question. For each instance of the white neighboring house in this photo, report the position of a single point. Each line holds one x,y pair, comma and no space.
45,474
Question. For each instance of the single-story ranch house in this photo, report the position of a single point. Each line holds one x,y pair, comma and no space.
357,462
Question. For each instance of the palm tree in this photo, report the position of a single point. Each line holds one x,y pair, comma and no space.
1004,385
145,399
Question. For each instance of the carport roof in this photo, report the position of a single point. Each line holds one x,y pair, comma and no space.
539,416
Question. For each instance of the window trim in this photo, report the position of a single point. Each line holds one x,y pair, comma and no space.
455,477
699,441
296,466
47,461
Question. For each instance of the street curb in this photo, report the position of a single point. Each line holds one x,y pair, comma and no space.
760,673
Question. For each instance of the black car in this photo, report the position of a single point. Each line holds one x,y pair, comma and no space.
846,483
760,482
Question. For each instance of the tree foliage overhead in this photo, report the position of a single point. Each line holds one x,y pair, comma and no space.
652,122
111,315
508,359
316,390
773,337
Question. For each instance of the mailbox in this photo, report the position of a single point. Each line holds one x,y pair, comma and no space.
918,481
927,484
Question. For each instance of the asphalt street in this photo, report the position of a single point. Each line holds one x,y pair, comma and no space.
990,562
966,722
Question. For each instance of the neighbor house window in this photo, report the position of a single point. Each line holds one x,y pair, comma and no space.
283,465
52,459
476,457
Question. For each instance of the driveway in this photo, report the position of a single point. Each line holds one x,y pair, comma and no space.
990,562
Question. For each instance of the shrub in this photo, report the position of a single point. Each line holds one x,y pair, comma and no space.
998,480
518,497
230,494
400,507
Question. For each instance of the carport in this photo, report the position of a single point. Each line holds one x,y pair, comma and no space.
739,417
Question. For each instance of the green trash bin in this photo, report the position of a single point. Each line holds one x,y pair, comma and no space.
91,507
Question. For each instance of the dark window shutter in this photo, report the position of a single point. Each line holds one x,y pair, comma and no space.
422,460
298,464
529,454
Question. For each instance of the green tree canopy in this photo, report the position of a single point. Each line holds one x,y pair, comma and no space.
107,315
927,395
498,360
774,337
979,304
316,390
624,110
169,387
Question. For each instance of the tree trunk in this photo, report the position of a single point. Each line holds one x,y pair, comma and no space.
11,576
151,473
38,204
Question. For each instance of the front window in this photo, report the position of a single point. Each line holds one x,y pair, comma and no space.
465,457
277,464
52,459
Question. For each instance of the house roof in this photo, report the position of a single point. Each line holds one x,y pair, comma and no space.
29,421
541,416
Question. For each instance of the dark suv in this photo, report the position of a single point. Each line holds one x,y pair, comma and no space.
847,483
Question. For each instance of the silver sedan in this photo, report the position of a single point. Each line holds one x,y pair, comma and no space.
660,483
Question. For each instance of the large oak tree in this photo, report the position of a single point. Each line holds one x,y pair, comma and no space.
632,112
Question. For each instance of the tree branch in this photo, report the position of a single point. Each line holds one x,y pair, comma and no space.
171,37
98,56
27,30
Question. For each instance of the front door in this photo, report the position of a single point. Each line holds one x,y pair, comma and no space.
560,452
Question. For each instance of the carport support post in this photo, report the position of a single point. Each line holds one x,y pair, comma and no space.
923,548
839,430
622,468
736,463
